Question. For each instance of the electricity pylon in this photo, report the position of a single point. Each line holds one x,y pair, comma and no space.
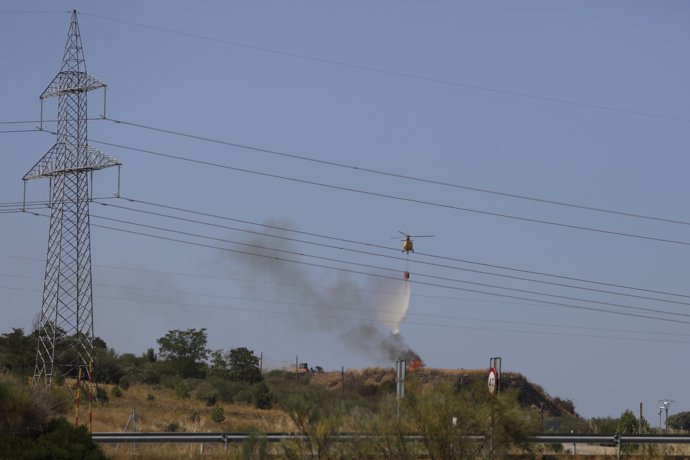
65,325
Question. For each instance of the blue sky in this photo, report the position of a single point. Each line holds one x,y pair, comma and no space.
583,103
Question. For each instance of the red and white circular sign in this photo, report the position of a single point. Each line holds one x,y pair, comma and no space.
492,381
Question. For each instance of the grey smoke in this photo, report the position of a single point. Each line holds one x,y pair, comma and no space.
332,301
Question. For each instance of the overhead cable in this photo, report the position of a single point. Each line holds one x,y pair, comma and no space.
403,176
394,197
435,256
378,275
420,262
405,75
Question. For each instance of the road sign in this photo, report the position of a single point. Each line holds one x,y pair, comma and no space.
492,381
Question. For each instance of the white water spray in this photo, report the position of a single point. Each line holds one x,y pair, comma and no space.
395,306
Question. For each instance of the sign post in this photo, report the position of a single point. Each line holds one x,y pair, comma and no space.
400,371
494,375
493,382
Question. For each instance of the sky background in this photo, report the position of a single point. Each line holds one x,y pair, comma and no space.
584,103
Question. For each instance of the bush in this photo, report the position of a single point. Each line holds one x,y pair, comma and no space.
207,393
116,392
263,396
244,396
182,391
171,427
101,395
60,440
26,410
227,390
217,414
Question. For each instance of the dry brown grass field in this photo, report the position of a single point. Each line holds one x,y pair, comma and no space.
189,414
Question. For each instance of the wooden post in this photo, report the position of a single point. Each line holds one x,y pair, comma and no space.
78,396
640,424
90,396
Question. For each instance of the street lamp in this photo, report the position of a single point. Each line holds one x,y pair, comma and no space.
666,403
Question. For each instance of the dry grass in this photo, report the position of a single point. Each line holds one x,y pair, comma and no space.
189,414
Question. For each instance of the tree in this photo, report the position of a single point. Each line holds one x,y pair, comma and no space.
219,365
629,424
107,368
679,421
17,352
318,416
185,351
244,366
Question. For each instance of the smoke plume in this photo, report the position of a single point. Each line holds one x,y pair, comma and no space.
364,313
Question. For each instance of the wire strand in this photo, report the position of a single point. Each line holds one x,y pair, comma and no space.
420,262
405,75
359,272
394,197
404,176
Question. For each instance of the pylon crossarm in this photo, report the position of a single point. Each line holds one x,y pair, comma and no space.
70,81
52,163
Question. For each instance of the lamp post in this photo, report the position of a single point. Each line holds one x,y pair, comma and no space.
666,403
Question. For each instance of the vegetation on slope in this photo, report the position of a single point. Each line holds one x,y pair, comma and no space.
185,386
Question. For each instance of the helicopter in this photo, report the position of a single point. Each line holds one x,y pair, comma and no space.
407,246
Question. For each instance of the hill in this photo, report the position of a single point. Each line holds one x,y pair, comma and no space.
160,408
375,381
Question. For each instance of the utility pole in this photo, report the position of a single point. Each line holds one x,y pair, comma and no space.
67,308
639,430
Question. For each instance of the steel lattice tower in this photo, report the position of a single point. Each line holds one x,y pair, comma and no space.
65,324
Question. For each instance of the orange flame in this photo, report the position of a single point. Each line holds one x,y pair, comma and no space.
415,364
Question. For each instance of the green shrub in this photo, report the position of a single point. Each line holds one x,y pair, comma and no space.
254,448
26,410
171,427
116,392
59,440
217,414
207,393
262,395
182,390
101,395
227,390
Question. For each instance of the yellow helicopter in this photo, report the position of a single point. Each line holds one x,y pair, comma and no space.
407,246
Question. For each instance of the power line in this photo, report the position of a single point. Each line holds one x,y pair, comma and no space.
35,12
422,262
379,172
403,176
40,204
436,256
394,197
20,131
378,275
409,76
24,122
